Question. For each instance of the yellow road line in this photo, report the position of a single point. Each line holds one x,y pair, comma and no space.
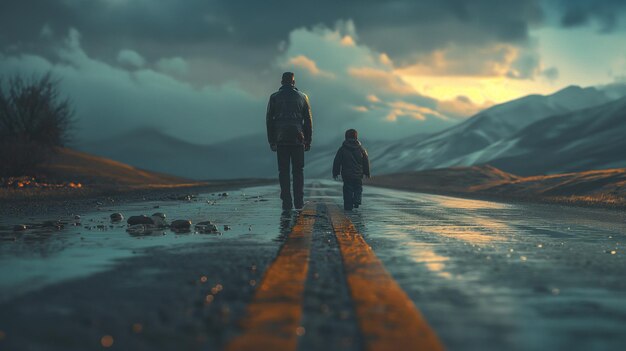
273,315
387,318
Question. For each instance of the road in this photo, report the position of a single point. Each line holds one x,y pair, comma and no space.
406,270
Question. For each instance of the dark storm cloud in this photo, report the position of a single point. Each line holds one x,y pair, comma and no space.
249,32
580,12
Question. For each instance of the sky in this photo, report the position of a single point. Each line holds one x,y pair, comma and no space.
202,70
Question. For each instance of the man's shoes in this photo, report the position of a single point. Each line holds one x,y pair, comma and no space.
356,205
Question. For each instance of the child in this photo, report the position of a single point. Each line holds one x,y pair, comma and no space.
352,163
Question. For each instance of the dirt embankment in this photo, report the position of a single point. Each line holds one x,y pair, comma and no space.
73,175
598,188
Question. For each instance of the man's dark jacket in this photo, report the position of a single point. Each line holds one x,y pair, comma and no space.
351,161
288,118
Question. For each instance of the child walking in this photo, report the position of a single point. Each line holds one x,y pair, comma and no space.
352,163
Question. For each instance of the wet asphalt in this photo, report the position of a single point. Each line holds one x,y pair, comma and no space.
486,275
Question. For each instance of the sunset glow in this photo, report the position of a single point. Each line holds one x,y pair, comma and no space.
479,90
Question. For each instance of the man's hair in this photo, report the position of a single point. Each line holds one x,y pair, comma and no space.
351,134
288,78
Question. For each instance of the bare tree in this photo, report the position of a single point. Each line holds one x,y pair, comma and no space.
34,121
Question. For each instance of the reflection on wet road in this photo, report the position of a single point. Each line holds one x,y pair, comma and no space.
485,275
500,276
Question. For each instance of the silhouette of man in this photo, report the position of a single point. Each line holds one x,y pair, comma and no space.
289,130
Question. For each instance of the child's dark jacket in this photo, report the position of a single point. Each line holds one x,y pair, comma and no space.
351,161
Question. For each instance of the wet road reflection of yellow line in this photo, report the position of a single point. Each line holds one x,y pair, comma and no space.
387,318
274,314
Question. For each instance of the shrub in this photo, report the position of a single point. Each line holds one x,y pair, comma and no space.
34,121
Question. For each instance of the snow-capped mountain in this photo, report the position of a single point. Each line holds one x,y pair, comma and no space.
571,130
482,137
592,138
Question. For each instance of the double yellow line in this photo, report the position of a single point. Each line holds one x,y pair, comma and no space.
387,318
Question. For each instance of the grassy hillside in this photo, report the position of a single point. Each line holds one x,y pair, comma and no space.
596,188
71,174
98,171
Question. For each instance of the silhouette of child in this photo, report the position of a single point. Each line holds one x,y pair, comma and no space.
352,162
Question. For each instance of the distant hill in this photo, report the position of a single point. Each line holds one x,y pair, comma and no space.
149,148
93,170
605,188
243,157
72,174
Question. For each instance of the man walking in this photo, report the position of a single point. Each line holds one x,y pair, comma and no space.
289,130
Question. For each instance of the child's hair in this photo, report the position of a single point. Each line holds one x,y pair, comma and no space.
351,134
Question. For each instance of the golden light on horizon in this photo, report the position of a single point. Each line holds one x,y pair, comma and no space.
480,90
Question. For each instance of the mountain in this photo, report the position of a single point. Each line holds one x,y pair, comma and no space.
492,136
466,143
243,157
591,138
149,148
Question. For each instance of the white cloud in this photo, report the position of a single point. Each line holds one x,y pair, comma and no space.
306,63
175,65
130,58
365,91
111,100
350,86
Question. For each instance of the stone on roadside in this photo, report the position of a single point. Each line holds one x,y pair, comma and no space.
19,228
226,227
206,227
117,217
159,219
143,219
181,225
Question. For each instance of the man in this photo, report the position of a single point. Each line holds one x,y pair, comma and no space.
289,130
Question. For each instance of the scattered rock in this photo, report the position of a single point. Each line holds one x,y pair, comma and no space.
19,228
206,227
181,225
224,194
77,217
226,227
117,217
159,219
133,220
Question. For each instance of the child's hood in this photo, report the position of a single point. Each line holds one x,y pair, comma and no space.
352,143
